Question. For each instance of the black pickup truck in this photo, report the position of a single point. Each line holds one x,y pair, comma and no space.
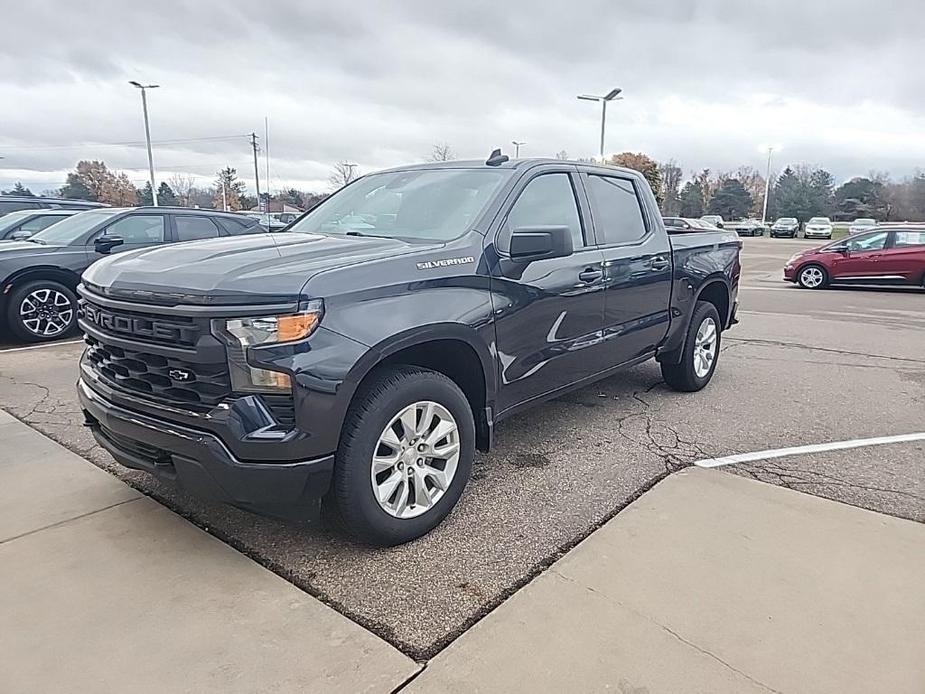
363,356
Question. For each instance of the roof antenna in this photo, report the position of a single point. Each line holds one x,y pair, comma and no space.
496,158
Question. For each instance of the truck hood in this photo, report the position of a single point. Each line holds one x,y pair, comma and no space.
255,269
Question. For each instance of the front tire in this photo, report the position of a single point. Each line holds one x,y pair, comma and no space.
701,351
813,277
405,455
41,311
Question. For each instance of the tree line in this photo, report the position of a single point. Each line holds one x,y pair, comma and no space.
93,180
797,191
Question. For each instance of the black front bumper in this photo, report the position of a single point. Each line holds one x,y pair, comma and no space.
201,464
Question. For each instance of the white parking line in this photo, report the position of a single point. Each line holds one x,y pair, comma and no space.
803,450
50,344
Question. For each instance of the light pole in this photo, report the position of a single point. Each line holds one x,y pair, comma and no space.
767,184
517,148
613,94
144,108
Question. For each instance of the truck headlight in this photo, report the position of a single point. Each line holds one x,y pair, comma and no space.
242,334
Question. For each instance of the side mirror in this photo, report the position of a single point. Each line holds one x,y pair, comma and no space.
540,242
21,235
104,244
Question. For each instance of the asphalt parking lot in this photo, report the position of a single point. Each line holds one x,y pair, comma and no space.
801,368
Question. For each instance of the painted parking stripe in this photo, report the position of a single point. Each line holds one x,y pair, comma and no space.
50,344
803,450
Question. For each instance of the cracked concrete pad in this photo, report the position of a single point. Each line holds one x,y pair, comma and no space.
136,599
557,636
39,487
711,582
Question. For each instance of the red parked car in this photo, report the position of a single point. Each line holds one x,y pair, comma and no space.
888,255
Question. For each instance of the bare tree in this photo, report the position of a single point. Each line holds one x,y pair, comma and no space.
561,154
182,186
670,174
441,152
343,173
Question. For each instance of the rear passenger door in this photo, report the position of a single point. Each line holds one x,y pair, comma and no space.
637,267
904,256
548,312
194,227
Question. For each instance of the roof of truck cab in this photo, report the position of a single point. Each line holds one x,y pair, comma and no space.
510,164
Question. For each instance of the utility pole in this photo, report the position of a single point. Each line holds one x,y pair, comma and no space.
224,197
256,168
767,188
266,153
144,108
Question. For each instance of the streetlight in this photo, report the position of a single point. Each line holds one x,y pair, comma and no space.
517,148
144,108
767,182
613,94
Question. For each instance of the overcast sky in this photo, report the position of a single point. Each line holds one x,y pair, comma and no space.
837,84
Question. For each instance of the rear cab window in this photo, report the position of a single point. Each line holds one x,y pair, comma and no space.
616,209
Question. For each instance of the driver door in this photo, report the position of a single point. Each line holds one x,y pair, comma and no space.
136,231
548,312
862,259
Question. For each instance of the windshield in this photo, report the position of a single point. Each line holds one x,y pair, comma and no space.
819,220
428,204
864,222
69,230
786,220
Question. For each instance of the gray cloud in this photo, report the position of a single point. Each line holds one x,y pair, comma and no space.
378,83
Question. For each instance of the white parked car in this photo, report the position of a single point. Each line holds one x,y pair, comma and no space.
818,228
861,225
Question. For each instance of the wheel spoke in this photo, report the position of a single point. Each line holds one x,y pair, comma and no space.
422,495
409,424
401,503
427,418
442,430
445,452
440,478
384,462
387,488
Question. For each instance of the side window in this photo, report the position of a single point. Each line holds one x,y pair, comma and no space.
38,223
907,239
233,227
139,228
875,242
191,228
548,200
617,210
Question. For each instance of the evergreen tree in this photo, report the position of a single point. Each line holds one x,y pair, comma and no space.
691,200
730,200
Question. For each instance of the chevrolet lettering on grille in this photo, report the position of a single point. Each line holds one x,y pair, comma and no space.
138,326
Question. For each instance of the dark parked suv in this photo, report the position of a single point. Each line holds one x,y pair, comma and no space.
365,354
13,203
39,276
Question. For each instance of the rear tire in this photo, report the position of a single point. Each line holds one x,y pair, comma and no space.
700,354
398,407
41,311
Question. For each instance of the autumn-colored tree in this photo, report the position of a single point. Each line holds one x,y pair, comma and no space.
754,184
642,163
87,181
118,191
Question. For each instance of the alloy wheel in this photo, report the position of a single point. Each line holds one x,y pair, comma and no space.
415,459
812,277
705,347
46,312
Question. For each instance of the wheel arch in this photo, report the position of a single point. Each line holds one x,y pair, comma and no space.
68,278
715,290
454,350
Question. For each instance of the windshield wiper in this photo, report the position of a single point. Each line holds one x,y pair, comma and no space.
354,232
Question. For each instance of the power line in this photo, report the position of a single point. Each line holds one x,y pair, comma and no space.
133,143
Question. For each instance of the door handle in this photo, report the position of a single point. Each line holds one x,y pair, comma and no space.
659,262
589,275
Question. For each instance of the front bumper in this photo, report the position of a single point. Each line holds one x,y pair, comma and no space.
201,464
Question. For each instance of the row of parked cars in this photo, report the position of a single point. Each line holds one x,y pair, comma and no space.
783,227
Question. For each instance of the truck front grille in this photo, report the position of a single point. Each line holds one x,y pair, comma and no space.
159,377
